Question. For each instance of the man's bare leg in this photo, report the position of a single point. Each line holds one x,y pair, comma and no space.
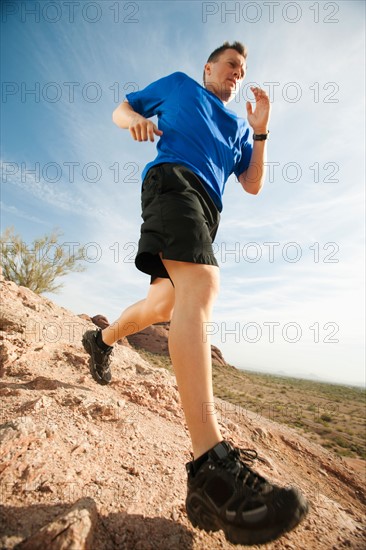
196,287
155,308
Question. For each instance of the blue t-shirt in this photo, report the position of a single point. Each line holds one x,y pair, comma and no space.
199,132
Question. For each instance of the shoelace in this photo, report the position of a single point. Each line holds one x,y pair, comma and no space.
239,465
105,356
247,455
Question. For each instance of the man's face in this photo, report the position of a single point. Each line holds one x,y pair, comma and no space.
224,76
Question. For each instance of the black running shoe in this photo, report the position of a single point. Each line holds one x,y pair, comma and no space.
224,493
99,359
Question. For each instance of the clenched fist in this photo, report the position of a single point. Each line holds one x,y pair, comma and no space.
142,129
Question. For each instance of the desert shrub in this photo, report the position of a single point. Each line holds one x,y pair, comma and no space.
38,265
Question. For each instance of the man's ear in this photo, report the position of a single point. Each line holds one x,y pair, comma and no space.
207,68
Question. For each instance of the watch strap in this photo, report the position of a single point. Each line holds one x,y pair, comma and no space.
260,137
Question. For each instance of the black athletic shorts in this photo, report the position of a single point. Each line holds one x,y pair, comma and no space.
179,219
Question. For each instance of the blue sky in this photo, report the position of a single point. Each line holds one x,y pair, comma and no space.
292,258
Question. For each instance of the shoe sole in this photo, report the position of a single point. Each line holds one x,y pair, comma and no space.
95,375
201,517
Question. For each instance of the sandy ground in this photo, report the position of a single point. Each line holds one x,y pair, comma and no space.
63,437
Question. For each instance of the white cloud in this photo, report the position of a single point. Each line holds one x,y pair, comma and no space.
20,213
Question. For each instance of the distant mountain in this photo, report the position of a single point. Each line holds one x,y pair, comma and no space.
302,376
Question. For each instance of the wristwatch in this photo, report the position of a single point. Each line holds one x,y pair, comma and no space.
260,137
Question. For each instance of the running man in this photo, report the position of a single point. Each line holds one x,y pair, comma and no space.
199,144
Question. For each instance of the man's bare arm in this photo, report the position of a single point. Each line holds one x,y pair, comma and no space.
253,178
141,128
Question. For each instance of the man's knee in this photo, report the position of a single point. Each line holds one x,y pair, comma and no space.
208,288
201,283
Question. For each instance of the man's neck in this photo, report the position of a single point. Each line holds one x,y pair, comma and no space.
211,89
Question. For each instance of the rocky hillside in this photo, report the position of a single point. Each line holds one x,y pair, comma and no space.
89,466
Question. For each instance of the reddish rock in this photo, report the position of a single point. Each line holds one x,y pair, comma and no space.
217,357
101,321
73,529
155,340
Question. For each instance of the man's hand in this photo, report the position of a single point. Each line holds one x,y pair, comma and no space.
142,129
258,119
